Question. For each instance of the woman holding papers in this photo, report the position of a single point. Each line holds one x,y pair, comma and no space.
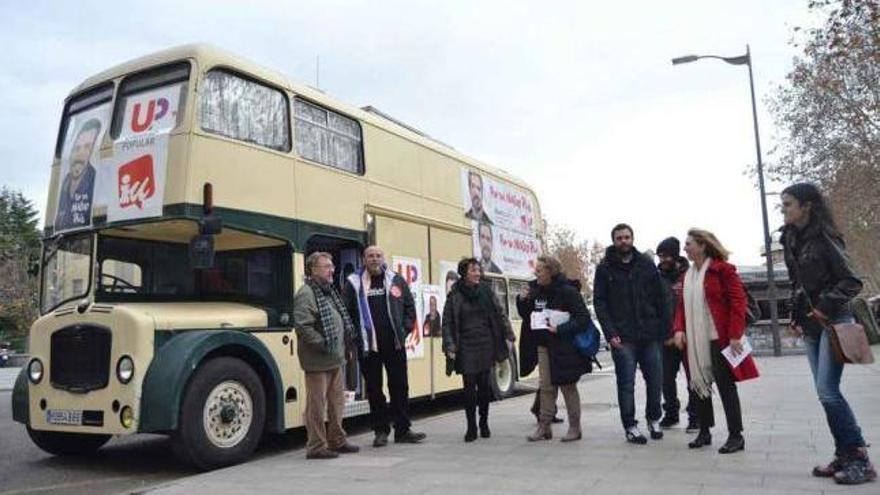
824,283
552,308
709,323
475,335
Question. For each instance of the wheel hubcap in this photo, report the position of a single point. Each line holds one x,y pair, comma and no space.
502,375
228,414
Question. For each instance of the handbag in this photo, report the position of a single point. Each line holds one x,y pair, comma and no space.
587,340
849,341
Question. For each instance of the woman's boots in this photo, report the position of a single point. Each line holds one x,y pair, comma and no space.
470,413
484,421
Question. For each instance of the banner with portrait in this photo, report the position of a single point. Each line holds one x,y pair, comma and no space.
503,224
80,168
133,182
411,271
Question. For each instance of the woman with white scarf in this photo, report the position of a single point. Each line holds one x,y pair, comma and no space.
711,315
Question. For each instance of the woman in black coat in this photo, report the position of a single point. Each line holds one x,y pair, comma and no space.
560,365
824,282
475,335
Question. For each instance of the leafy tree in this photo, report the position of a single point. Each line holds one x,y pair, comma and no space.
19,258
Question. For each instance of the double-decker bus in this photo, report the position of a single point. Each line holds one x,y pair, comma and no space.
187,188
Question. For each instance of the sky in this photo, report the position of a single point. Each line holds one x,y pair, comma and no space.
579,99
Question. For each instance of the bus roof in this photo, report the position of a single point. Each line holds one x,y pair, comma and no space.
209,56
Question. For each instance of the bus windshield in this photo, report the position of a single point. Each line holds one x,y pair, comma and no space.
136,270
66,270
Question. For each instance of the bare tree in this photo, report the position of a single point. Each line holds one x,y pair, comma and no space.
828,112
579,258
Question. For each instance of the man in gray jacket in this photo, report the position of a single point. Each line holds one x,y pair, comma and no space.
324,332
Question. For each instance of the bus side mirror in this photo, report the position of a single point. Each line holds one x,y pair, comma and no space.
201,251
210,225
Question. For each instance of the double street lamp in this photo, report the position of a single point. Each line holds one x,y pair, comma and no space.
771,282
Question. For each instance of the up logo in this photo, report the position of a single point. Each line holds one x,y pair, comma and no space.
136,182
156,110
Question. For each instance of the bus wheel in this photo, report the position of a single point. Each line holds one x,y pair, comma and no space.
65,443
504,378
221,416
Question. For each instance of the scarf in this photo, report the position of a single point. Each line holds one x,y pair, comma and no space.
325,295
699,330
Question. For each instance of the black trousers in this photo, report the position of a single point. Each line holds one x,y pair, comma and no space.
672,359
729,396
477,390
394,363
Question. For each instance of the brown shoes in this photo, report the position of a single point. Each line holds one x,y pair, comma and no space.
322,454
542,433
347,448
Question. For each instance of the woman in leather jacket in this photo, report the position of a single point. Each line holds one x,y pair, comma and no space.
823,284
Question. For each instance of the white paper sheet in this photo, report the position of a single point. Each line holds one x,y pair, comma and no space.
540,318
735,360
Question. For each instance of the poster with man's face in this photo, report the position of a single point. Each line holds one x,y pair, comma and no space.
502,224
79,169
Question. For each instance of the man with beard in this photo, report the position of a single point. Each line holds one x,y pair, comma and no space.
475,187
631,305
672,268
486,246
75,197
383,310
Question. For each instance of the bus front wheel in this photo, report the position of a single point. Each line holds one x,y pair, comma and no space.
67,444
222,414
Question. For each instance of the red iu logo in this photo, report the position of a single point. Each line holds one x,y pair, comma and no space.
136,182
137,125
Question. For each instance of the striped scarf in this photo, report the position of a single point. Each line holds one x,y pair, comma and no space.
325,295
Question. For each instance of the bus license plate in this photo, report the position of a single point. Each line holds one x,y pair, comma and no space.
64,417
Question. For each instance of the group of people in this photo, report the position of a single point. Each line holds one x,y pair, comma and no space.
655,317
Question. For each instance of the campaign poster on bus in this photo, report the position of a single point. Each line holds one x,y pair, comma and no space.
411,271
503,224
133,182
80,168
433,300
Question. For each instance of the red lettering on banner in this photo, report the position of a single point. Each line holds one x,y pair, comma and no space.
148,121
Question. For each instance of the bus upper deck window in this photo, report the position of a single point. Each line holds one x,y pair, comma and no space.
246,110
152,100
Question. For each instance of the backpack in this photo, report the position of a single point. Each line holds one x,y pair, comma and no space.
753,310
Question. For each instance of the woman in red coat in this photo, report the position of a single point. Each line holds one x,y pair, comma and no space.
711,315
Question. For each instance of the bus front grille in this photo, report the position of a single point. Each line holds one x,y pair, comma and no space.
80,359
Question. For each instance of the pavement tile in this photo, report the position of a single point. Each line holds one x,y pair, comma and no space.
785,431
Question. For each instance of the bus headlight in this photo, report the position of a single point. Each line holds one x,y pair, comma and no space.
35,370
125,369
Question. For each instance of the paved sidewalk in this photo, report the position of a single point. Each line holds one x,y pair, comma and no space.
785,436
7,378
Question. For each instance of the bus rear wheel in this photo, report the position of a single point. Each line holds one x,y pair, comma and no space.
67,444
504,377
222,415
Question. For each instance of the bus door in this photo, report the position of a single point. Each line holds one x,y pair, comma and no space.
406,250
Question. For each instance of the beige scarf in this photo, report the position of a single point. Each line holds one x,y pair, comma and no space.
700,330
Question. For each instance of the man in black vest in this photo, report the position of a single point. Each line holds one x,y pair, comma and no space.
383,310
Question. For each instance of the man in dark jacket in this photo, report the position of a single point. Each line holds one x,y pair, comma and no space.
672,268
381,305
631,306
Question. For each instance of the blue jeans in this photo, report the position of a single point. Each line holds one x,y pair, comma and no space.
648,356
826,376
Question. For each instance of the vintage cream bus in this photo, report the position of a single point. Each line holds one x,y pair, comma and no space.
187,187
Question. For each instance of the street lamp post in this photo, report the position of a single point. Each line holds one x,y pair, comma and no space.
771,279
